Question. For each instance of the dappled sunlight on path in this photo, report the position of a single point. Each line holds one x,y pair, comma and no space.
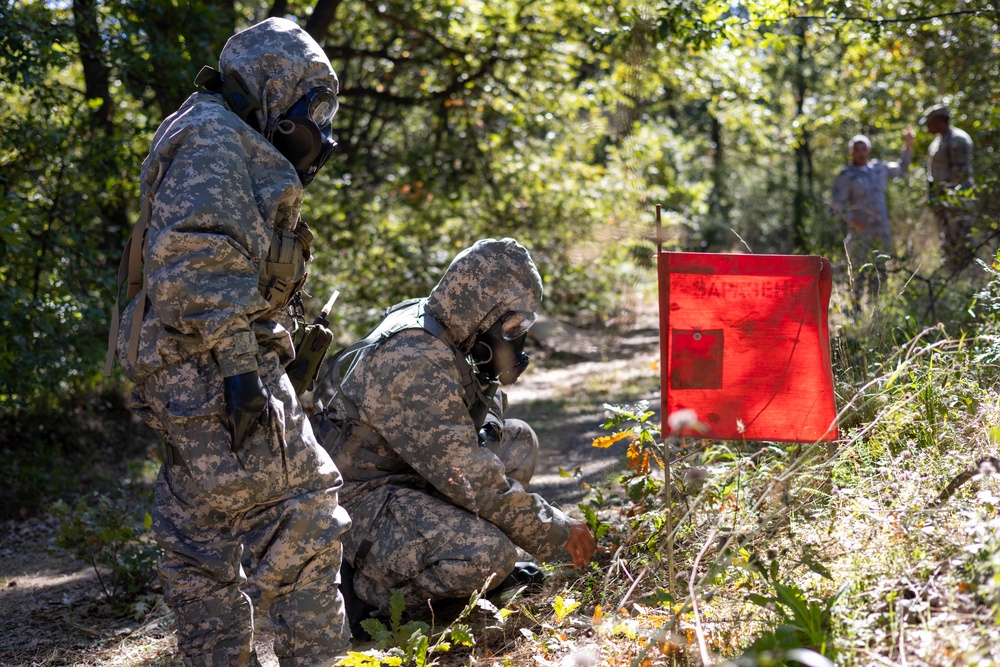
562,398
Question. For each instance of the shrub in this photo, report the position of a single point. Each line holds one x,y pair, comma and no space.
105,531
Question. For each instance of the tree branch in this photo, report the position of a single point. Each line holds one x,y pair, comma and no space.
322,16
908,19
372,5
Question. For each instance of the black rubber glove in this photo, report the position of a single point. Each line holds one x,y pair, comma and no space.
246,404
489,432
525,573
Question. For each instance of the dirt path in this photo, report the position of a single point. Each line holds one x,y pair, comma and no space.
564,402
50,604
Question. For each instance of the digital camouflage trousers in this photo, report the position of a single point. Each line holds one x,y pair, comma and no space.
425,546
276,497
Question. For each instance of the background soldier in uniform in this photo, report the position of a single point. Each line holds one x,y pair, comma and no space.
949,172
224,255
436,489
859,200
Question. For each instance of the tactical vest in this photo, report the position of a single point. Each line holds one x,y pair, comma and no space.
347,435
282,273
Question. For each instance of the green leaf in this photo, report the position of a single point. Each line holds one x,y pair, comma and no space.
660,598
376,629
397,604
809,560
713,10
420,651
462,635
792,598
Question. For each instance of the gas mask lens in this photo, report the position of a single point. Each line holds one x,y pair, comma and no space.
323,105
516,325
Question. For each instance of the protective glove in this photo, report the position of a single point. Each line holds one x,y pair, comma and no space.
246,404
489,432
525,573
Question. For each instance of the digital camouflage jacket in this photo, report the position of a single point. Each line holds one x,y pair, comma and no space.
414,427
950,161
218,191
859,194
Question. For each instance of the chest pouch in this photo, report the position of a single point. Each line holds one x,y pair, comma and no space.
284,272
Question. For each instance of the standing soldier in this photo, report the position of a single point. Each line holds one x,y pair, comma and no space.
434,476
223,254
949,178
859,200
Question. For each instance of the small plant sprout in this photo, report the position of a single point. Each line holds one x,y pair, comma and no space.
410,642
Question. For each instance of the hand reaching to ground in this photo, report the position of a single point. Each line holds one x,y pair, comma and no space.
580,544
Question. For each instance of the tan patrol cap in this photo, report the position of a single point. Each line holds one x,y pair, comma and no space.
936,111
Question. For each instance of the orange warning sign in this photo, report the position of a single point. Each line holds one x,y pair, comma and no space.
744,342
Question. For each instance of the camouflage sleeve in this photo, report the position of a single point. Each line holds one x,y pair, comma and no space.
839,196
897,169
205,242
421,414
960,158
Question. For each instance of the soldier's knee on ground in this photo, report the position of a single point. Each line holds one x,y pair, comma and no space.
455,572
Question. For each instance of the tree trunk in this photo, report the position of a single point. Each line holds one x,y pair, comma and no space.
718,205
278,9
803,152
95,71
323,13
102,157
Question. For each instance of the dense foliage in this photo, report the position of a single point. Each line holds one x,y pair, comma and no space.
560,123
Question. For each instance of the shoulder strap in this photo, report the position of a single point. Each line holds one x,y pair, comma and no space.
130,271
399,317
235,91
410,314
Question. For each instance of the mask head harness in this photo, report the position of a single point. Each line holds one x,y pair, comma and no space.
303,134
499,351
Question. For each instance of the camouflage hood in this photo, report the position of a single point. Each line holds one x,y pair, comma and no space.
482,283
279,62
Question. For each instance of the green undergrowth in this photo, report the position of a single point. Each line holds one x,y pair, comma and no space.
882,547
68,453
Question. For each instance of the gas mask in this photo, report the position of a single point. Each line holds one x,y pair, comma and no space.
499,351
304,133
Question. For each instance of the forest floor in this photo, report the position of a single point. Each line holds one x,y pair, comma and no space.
52,610
915,581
